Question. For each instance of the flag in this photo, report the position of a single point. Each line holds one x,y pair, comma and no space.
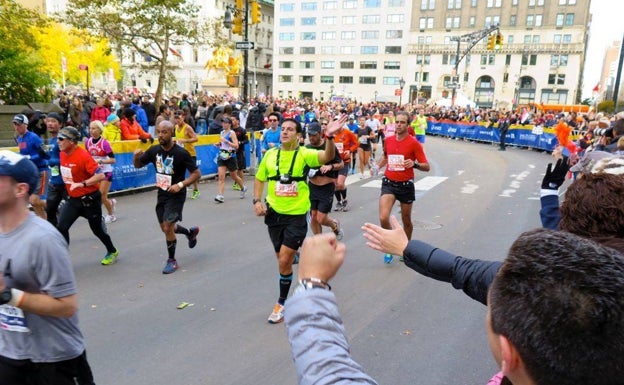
597,88
176,53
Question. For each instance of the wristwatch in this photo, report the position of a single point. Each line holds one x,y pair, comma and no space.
311,283
255,200
180,185
5,296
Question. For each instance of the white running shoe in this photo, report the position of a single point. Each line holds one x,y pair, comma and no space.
277,315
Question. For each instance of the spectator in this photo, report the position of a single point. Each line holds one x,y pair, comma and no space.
130,128
99,112
112,130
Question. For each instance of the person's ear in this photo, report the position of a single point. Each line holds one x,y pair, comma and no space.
510,357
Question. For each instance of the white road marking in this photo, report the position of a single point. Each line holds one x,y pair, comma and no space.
428,182
469,188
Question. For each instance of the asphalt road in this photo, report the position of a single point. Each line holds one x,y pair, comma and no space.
403,328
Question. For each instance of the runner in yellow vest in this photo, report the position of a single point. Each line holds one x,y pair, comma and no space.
185,137
420,125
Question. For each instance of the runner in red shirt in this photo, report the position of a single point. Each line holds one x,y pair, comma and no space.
402,154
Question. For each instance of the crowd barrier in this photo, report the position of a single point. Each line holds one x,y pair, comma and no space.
543,138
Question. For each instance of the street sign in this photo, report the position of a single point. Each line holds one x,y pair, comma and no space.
83,67
454,86
244,45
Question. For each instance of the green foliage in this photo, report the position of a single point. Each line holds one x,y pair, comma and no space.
606,106
20,79
587,101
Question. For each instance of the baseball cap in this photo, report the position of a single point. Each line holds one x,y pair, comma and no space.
20,118
314,128
587,162
19,168
56,116
69,133
112,118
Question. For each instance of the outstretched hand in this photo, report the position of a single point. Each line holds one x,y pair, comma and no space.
321,257
554,178
387,241
335,125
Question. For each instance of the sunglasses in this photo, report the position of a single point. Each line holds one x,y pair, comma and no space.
272,120
61,139
17,123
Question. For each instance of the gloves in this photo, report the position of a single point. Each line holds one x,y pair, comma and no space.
151,140
143,140
554,178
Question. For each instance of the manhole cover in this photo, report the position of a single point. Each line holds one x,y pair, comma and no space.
426,225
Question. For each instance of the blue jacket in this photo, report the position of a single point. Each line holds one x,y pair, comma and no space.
31,145
141,117
54,162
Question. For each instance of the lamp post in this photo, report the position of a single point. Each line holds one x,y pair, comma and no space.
331,92
376,96
227,23
401,84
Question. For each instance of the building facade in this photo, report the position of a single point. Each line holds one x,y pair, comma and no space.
362,49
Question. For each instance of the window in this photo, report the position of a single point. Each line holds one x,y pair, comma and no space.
558,60
536,39
285,78
308,21
473,3
307,50
372,3
285,64
308,35
494,3
308,6
328,50
306,79
531,3
368,65
396,18
530,20
510,39
557,39
394,34
370,34
287,22
286,50
329,20
328,36
349,20
472,21
567,39
507,60
514,3
392,65
424,22
529,59
330,5
327,79
347,65
512,20
371,19
347,35
527,39
487,59
369,49
556,79
491,20
347,50
423,59
569,20
391,81
446,81
287,7
391,49
328,65
396,3
538,20
427,4
306,64
559,20
345,79
349,4
286,36
454,4
368,80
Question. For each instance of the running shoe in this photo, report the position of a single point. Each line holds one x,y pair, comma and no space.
338,230
242,193
277,315
192,237
236,187
171,266
109,219
110,258
195,194
219,199
338,206
388,258
345,205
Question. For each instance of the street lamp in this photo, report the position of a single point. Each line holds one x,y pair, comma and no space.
376,96
227,23
401,84
331,92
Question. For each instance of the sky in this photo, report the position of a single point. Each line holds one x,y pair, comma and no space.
607,26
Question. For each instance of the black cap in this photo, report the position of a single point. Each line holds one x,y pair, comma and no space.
70,133
56,116
314,128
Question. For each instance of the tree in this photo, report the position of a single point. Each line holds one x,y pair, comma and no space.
606,106
151,28
20,78
56,41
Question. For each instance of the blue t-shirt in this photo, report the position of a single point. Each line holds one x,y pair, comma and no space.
54,162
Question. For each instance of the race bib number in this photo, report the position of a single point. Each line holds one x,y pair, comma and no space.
54,171
395,163
12,319
364,139
66,174
286,190
340,147
163,181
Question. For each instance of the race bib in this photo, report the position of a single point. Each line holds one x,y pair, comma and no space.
12,319
340,147
395,163
66,174
163,181
54,171
286,190
364,139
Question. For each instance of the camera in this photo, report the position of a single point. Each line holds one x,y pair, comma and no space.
603,132
285,179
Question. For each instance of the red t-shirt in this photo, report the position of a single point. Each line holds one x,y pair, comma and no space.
396,151
76,168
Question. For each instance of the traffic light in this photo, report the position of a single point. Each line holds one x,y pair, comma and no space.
491,42
256,13
499,41
240,5
237,25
